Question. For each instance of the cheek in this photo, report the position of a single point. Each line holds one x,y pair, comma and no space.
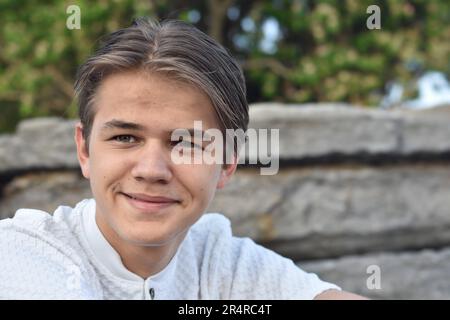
107,168
201,181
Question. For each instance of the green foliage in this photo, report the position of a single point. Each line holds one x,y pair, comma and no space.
39,54
330,55
324,52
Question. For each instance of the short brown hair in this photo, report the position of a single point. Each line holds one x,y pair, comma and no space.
176,49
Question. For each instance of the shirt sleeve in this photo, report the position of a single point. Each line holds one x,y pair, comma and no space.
36,267
259,273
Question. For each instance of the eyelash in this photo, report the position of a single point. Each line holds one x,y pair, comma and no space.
122,135
174,143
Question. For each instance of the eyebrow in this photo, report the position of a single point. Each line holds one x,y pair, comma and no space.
120,124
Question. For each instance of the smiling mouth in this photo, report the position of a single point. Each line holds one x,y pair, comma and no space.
153,206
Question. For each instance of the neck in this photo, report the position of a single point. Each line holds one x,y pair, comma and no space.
143,260
140,259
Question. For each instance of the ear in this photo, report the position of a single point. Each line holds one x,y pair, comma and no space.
82,154
226,172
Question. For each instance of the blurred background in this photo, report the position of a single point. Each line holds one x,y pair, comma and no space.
291,50
363,192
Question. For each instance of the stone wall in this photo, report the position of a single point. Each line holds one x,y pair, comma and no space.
357,188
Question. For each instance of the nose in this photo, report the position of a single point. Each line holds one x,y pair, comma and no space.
152,164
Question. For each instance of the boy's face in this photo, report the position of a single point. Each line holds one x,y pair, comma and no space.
126,161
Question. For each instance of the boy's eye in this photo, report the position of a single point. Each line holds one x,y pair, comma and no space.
125,138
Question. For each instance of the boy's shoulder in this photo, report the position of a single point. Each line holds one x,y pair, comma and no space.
40,253
36,222
212,223
244,269
212,240
44,234
44,231
212,234
26,218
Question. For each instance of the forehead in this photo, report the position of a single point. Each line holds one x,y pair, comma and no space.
152,100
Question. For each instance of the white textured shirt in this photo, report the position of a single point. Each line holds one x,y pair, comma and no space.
65,256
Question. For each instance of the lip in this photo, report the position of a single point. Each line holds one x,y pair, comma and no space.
150,204
148,198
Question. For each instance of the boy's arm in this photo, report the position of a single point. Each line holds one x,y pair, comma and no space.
338,295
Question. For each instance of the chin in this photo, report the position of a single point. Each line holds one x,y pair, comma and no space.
148,239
